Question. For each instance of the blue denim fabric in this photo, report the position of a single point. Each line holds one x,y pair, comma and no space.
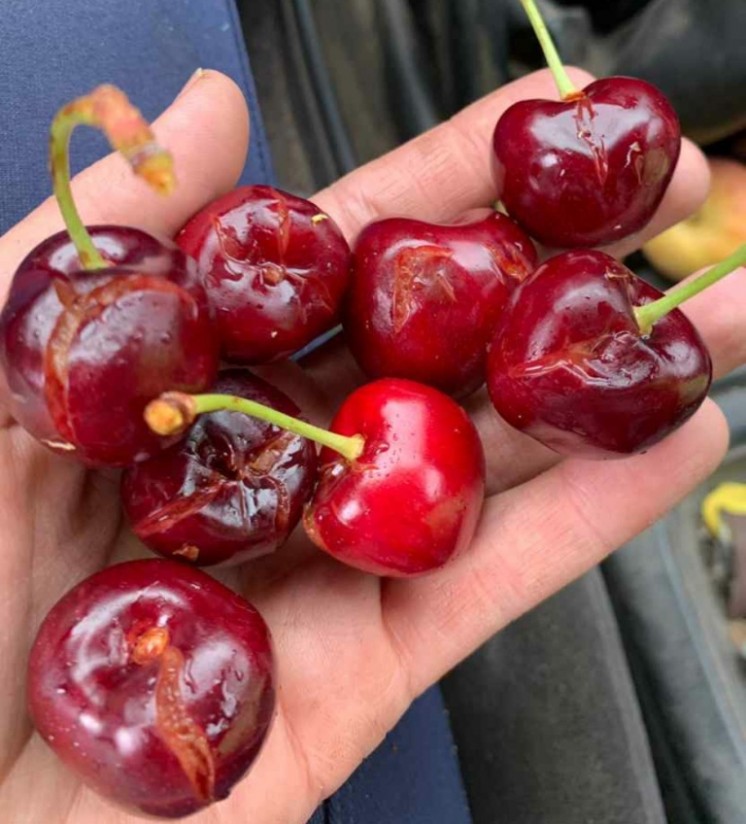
412,778
55,50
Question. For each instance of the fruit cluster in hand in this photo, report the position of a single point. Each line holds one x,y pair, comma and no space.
150,679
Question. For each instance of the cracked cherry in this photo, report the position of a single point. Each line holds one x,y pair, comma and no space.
275,268
592,361
154,684
592,168
96,324
401,477
424,298
232,490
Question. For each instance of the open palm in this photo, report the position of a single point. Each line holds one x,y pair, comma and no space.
353,651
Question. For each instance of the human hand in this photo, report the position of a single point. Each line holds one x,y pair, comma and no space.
352,650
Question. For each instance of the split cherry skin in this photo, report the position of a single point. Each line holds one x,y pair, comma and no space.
402,473
592,168
154,684
275,268
594,362
96,324
233,489
424,299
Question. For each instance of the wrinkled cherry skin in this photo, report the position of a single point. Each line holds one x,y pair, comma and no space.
424,299
275,268
588,171
569,366
84,351
232,490
165,727
412,499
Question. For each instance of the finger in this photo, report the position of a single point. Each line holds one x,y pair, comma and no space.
536,538
206,128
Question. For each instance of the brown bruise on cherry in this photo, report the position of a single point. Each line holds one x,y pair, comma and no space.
584,117
412,272
283,226
177,730
510,260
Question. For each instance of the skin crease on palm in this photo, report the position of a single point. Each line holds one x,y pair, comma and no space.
352,651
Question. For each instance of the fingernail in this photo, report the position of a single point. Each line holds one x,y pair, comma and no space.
191,82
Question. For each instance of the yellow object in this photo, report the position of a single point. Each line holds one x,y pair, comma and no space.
711,233
727,498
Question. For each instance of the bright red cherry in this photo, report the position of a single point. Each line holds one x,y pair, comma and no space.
85,350
592,168
275,268
411,498
570,365
232,490
94,328
154,683
424,299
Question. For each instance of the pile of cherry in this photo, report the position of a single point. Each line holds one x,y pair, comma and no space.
151,679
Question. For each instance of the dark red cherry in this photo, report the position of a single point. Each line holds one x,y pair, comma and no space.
232,490
85,350
589,170
275,268
569,365
154,683
424,299
411,500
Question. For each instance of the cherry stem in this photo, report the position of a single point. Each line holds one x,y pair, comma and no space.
173,412
648,314
565,86
106,108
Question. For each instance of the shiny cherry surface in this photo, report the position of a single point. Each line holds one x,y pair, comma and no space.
411,501
591,170
84,351
232,490
275,268
569,366
424,299
154,683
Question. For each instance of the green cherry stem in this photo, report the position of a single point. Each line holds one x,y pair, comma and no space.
565,86
106,108
648,314
173,412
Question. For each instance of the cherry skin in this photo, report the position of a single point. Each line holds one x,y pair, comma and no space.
155,684
411,500
569,365
84,350
232,490
275,268
589,170
424,299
